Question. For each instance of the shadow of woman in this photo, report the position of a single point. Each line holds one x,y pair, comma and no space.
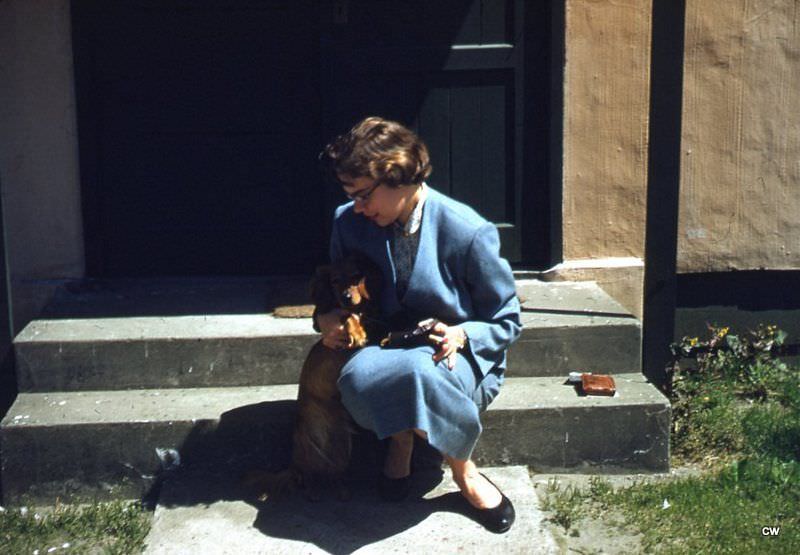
216,454
343,527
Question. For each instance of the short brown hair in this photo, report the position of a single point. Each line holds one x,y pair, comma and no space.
384,150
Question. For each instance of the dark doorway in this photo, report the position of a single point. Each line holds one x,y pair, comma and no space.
200,122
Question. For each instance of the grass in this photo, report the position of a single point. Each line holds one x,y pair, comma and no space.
566,503
112,527
719,513
737,413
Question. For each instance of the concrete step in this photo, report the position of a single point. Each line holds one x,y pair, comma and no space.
566,327
207,513
572,326
105,443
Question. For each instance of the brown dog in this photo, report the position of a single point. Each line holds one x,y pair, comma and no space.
322,436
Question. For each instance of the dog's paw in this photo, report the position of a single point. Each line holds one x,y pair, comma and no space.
356,333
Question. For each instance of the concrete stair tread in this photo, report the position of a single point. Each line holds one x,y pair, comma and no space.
154,328
578,296
163,296
69,318
172,296
116,443
221,350
206,514
234,326
150,405
548,392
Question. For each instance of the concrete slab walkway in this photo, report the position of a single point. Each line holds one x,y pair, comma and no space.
207,514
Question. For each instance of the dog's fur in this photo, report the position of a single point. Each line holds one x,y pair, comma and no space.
323,429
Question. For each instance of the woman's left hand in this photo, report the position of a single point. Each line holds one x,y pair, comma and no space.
449,340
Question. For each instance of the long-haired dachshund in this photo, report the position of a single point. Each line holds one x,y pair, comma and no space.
323,429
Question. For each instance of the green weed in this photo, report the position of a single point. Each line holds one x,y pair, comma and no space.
112,527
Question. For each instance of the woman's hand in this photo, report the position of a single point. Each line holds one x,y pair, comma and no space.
449,339
334,335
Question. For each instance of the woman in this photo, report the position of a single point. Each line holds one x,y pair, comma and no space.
440,259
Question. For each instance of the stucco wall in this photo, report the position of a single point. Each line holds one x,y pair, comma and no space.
38,152
606,97
605,128
740,163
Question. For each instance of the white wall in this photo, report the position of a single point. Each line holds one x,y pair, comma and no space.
38,152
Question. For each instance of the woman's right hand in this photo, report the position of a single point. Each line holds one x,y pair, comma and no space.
334,335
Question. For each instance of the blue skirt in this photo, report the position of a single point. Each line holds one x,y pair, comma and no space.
391,390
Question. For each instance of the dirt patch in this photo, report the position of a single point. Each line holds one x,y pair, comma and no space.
592,532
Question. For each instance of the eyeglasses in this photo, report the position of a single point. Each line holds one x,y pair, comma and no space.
363,197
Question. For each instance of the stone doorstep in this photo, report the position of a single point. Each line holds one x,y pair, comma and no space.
577,296
260,349
124,297
94,439
433,519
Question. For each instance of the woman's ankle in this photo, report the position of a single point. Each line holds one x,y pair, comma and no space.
479,491
461,469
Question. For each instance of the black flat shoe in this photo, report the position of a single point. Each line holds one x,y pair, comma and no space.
495,519
394,489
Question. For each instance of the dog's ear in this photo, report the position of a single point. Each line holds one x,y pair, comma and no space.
362,287
373,277
320,289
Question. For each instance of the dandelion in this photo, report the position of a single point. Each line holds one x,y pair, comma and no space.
23,511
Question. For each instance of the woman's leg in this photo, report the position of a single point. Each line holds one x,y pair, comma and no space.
382,388
474,487
477,490
398,458
391,391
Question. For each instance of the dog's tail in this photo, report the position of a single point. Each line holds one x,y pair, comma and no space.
265,484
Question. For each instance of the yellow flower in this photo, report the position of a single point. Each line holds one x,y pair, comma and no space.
693,341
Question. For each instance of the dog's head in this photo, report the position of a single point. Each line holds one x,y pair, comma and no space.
350,283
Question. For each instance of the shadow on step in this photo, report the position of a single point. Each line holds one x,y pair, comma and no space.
175,296
212,460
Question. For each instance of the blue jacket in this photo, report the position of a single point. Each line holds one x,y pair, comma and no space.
458,275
